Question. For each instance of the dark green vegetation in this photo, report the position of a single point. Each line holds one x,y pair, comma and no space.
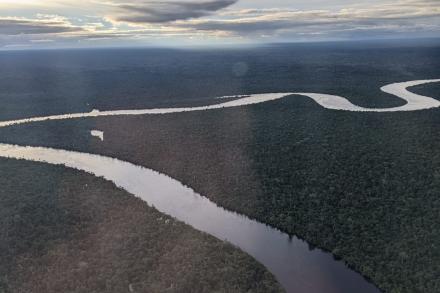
54,82
365,186
66,231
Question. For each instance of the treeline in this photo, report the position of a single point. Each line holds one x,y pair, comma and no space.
362,185
66,231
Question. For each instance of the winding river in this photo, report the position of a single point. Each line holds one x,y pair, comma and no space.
296,267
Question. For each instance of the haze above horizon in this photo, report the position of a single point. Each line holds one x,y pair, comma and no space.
117,23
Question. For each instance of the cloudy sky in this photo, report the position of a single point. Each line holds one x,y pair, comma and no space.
93,23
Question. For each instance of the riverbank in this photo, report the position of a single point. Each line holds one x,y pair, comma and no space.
66,231
351,183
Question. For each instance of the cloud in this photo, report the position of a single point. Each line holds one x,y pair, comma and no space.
43,25
410,15
131,22
166,11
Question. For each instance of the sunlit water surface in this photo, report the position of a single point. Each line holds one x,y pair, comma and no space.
295,265
298,268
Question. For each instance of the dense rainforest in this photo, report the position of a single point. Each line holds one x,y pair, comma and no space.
362,185
66,231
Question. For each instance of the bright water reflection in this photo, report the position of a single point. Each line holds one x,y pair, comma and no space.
298,268
290,260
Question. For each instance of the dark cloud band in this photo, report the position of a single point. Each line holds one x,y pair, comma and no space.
9,26
168,11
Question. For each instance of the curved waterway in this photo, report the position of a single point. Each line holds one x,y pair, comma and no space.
297,268
414,102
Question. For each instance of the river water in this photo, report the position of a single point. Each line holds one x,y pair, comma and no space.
298,268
